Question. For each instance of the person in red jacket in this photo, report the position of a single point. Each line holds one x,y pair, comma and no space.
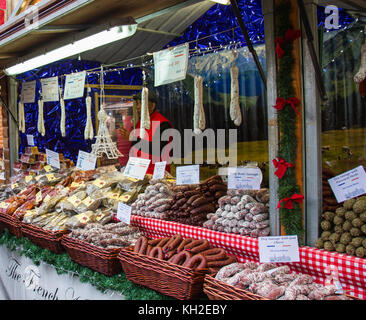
150,146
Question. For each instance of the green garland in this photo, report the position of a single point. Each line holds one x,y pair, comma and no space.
291,219
63,264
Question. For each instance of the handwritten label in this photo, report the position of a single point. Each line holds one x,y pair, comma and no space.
53,158
188,175
30,140
28,92
244,178
349,184
159,170
86,161
136,168
278,249
124,212
171,65
50,91
74,85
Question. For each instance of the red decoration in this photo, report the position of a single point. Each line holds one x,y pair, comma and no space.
290,35
281,166
281,102
289,201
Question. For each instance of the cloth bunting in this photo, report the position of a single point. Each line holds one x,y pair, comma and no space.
290,35
281,165
289,201
281,102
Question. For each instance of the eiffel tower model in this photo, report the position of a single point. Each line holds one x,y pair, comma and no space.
103,144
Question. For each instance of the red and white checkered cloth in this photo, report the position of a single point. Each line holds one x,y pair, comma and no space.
351,270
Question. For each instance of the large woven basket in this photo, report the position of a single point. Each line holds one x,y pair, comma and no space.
11,223
50,240
102,260
218,290
167,278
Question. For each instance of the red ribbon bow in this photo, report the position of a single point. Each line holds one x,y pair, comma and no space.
281,166
290,35
281,102
289,201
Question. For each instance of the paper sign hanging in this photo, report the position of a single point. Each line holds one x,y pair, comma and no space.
86,161
136,168
278,249
30,140
28,92
53,159
188,175
74,85
171,65
50,91
244,178
349,184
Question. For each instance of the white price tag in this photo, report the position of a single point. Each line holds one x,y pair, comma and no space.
171,64
30,140
349,184
53,159
86,161
188,175
74,85
124,212
244,178
28,92
278,249
159,170
136,168
50,91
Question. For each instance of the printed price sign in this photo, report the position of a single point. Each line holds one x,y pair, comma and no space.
74,85
30,140
171,65
28,92
188,175
53,158
278,249
124,212
86,161
159,170
244,178
50,91
349,184
136,168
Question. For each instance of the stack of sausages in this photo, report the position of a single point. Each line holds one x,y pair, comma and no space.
243,212
190,253
155,202
330,203
190,206
213,189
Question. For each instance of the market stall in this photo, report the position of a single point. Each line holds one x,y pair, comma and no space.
225,209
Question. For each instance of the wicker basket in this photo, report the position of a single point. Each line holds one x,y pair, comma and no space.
12,224
167,278
218,290
50,240
102,260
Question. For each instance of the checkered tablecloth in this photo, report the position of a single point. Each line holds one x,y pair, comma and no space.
351,270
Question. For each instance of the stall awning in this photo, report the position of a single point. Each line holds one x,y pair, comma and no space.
159,22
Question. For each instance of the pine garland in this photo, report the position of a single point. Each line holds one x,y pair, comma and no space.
63,264
291,219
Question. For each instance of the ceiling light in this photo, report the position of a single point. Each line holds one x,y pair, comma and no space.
225,2
89,43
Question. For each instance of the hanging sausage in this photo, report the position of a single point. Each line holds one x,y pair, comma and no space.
199,118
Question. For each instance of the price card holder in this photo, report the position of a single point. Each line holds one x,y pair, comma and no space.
136,168
349,184
245,178
159,170
188,175
30,140
53,159
124,212
278,249
86,161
